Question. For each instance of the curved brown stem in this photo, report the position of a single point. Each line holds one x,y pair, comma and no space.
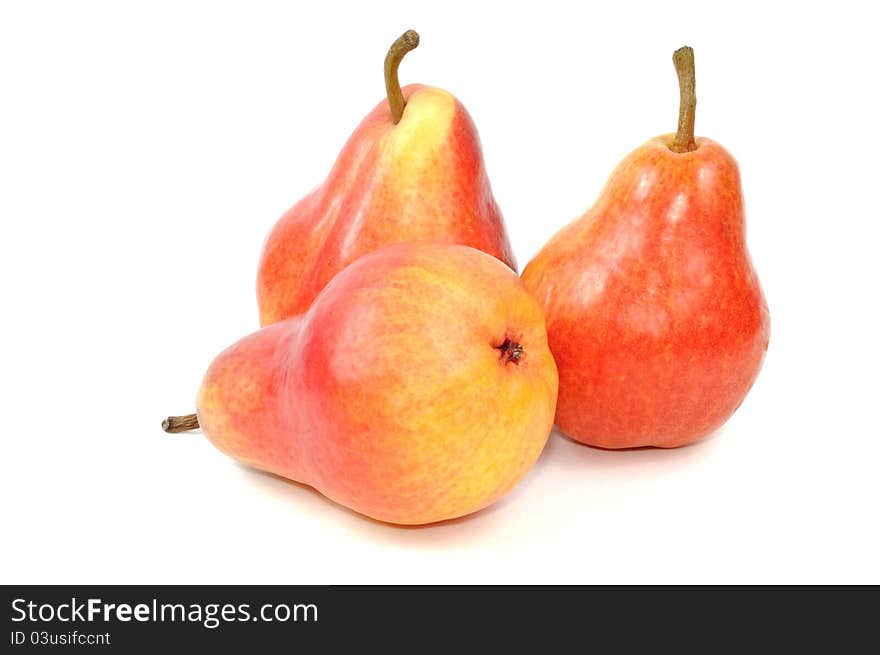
174,424
407,41
683,58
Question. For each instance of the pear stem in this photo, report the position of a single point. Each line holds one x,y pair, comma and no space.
174,424
683,58
406,42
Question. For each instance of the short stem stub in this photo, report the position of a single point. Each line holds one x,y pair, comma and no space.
175,424
683,58
407,41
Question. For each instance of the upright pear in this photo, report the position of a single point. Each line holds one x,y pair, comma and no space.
412,170
654,311
418,387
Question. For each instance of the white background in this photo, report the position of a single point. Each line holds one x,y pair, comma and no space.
148,147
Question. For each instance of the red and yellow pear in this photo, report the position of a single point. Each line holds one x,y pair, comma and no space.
654,312
412,171
418,387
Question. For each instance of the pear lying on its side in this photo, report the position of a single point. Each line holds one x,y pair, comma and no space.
418,387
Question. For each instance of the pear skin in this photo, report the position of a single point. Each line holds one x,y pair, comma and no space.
418,387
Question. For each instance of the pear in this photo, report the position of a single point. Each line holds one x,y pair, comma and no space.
412,171
418,387
655,315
